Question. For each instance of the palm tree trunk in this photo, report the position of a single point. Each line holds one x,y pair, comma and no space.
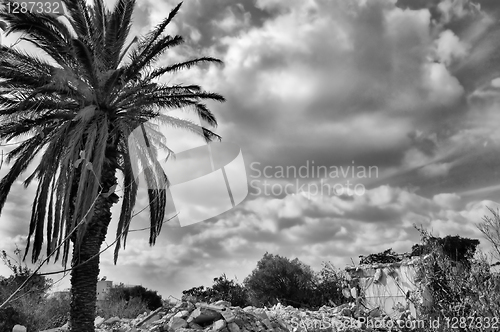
84,278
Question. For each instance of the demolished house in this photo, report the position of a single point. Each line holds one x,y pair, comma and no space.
389,286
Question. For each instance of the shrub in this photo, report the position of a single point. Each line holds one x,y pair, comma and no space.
35,315
119,307
31,307
150,298
328,290
128,302
222,289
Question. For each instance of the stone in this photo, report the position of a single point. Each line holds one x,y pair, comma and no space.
346,312
153,316
375,313
210,306
261,313
219,325
222,303
176,323
233,327
195,326
182,314
204,316
98,321
19,328
228,315
111,320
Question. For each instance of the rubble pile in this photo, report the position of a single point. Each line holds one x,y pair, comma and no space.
220,316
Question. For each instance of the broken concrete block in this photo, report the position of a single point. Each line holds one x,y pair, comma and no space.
176,323
281,322
195,326
153,316
111,320
98,321
375,313
219,325
228,315
233,327
204,316
346,312
182,314
210,306
222,303
18,328
260,313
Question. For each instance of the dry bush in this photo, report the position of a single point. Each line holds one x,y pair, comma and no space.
465,296
119,307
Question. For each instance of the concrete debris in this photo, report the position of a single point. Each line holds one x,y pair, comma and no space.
19,328
219,325
189,316
111,321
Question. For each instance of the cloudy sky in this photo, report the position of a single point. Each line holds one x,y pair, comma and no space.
356,119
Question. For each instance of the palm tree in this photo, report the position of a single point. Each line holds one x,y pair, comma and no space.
77,103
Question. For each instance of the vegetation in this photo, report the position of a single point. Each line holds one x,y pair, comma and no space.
490,227
128,302
278,279
32,306
222,289
150,298
387,256
76,105
329,286
456,248
291,282
117,305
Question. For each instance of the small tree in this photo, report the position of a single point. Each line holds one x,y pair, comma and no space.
277,278
31,306
36,287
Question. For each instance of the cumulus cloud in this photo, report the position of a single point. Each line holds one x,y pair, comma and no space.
449,47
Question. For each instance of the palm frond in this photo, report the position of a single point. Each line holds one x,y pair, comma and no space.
182,65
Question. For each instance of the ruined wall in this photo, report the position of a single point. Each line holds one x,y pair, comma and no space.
386,286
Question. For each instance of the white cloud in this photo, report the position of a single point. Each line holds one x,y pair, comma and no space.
443,88
449,47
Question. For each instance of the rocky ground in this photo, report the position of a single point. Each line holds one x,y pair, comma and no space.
192,316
